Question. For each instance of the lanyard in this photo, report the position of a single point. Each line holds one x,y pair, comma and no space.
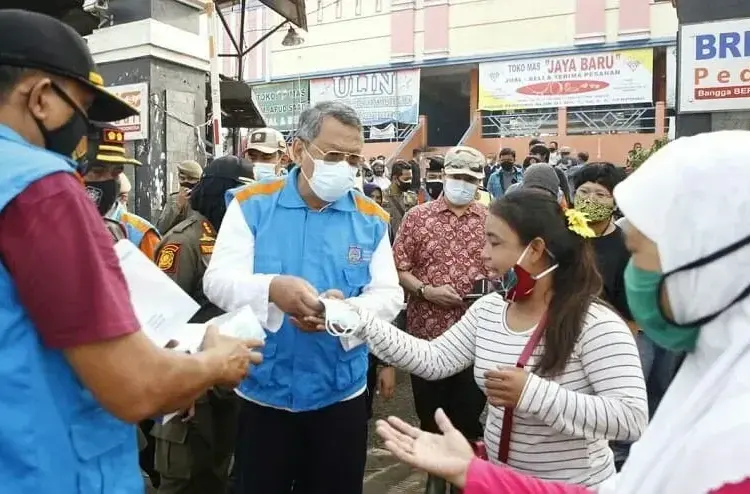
504,447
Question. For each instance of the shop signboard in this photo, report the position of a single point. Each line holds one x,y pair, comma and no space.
586,79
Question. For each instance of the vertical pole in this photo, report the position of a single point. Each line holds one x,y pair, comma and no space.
213,53
240,73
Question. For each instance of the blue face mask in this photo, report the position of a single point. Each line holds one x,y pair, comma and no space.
643,289
263,171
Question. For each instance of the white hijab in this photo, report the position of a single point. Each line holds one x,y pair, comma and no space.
692,198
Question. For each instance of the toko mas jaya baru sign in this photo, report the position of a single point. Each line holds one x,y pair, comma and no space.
589,79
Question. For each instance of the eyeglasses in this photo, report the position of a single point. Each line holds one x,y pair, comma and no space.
596,194
353,159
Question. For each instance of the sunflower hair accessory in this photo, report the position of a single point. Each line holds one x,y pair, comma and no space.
578,223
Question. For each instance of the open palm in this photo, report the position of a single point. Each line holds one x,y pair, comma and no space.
446,455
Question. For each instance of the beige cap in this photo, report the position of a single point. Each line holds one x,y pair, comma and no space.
190,168
566,150
266,141
463,160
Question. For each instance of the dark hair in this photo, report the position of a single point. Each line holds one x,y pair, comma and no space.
527,161
576,283
555,143
583,156
9,78
535,141
436,164
370,188
542,151
399,167
507,151
604,174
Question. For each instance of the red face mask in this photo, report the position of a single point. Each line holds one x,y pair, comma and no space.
520,282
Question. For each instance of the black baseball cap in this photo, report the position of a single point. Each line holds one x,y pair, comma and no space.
37,41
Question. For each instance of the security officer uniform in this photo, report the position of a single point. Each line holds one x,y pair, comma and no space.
173,213
397,203
193,456
106,147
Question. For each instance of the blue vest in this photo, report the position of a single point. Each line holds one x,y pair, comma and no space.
331,249
54,437
135,226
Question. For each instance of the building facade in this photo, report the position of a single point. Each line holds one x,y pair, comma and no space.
590,74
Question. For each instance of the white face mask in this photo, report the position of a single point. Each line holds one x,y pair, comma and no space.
459,192
263,171
331,180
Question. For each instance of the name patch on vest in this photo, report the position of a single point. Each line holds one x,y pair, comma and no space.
358,255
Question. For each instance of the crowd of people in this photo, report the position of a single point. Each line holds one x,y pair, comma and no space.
571,303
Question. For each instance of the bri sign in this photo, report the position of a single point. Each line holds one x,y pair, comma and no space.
715,66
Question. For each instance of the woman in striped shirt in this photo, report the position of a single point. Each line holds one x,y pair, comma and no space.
582,386
687,289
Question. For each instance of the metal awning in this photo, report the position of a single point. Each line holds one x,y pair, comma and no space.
237,106
291,10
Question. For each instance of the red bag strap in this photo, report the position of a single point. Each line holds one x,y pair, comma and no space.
536,336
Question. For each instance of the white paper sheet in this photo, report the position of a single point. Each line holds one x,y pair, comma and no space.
241,323
161,306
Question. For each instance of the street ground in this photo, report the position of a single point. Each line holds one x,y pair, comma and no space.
384,474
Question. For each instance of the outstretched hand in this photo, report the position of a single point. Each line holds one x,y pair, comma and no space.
446,455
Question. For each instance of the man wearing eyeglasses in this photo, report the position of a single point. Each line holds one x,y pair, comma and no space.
283,243
106,161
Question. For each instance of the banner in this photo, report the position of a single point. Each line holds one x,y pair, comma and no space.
715,66
387,132
378,97
605,78
135,128
282,102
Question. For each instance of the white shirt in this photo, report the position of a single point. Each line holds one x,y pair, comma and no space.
562,424
381,182
231,283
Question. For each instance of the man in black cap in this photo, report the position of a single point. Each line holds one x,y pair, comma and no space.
207,438
76,367
106,158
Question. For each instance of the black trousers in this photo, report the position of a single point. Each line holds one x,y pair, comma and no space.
460,398
318,452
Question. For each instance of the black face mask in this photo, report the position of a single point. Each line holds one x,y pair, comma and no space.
65,139
507,165
404,186
104,194
434,189
378,173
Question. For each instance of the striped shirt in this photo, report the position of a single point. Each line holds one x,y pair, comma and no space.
561,425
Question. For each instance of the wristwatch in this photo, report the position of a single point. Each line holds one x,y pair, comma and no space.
421,289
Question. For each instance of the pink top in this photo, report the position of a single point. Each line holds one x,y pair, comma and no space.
486,478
